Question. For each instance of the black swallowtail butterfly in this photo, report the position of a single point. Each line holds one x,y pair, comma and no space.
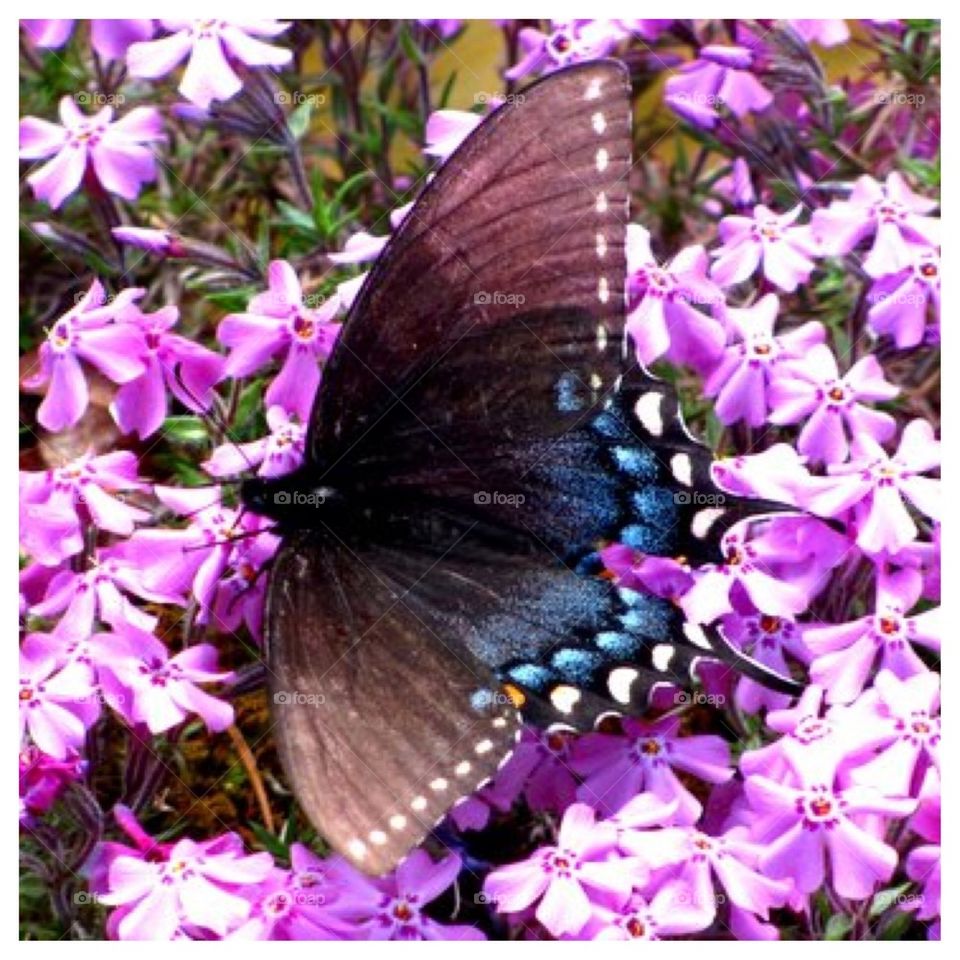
480,427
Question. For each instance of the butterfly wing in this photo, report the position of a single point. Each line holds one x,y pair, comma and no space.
381,726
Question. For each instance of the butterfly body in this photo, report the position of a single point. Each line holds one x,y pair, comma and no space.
481,429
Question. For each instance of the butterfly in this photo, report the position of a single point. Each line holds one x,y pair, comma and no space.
480,429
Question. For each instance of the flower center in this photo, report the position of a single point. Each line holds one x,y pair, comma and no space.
60,336
650,748
636,928
837,394
304,329
769,624
929,271
277,904
889,212
402,911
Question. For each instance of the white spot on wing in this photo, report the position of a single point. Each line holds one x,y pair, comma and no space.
601,337
593,89
599,122
603,158
661,655
357,849
378,837
564,698
619,683
682,468
601,202
398,821
418,804
648,412
462,769
438,785
601,245
694,633
603,290
704,519
484,746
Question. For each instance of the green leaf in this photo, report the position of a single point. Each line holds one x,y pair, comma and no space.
186,429
296,217
299,119
269,842
885,899
838,926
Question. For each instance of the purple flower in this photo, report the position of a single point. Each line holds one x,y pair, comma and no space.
539,768
560,876
731,859
720,77
447,129
801,827
196,886
812,388
874,482
890,213
746,573
766,639
171,362
616,768
749,363
278,320
902,302
828,33
302,903
570,41
661,317
644,916
903,717
85,332
276,454
115,152
766,239
194,559
844,654
98,594
48,707
214,48
109,38
144,683
43,779
395,907
67,498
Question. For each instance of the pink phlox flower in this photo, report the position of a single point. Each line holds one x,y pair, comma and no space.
906,305
832,406
197,886
447,129
903,717
539,768
67,499
747,573
109,38
777,473
195,558
52,706
646,757
801,827
874,484
662,303
146,685
85,332
828,33
214,49
565,879
765,639
720,77
171,362
752,359
662,576
845,654
767,240
301,903
280,452
98,593
118,153
43,780
891,213
394,906
569,41
279,321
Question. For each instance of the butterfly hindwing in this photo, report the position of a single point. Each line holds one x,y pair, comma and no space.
381,727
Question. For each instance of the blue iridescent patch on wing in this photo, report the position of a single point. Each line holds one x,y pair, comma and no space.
646,539
611,426
569,399
637,462
530,675
617,645
577,666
